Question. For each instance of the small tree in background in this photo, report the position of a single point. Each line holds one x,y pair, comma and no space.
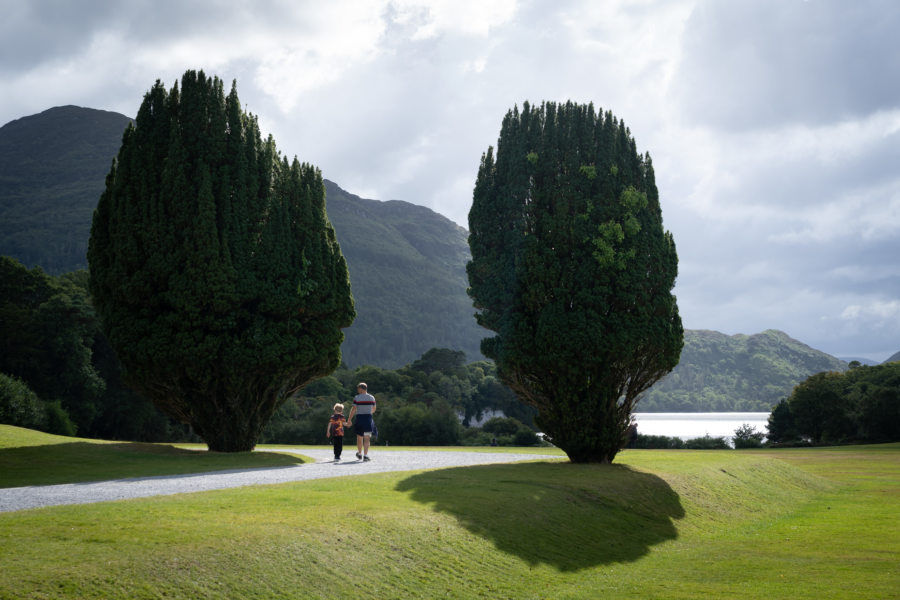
572,270
214,267
746,436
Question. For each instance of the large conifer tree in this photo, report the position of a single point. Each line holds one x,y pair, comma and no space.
572,270
213,265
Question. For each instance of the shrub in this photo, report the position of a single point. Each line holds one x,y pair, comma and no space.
502,426
746,436
707,443
19,405
658,442
526,437
57,420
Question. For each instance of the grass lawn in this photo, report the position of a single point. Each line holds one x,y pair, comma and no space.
31,458
805,523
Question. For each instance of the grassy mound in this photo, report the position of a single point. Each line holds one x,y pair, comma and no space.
33,458
662,524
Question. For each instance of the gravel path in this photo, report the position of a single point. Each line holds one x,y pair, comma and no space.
22,498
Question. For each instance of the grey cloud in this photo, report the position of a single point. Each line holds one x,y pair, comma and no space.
806,181
42,30
767,63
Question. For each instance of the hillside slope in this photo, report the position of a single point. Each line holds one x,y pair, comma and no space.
53,167
408,275
718,372
407,263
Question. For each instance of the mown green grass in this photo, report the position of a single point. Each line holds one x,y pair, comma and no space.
660,524
32,458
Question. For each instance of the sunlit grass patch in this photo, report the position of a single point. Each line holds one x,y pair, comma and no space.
660,524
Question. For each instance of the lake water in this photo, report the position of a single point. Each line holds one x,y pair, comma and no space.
694,425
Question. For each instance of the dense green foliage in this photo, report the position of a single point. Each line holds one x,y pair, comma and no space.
572,270
665,442
52,167
214,268
742,373
859,405
52,343
421,403
21,407
746,436
427,403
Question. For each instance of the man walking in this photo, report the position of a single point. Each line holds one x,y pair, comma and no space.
363,409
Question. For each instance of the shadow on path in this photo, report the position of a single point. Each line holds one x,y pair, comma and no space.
568,516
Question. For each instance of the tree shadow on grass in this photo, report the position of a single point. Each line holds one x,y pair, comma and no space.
567,516
74,462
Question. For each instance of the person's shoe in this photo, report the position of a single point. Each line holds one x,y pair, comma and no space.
365,459
358,456
337,459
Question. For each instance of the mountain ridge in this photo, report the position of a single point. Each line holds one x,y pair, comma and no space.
893,358
406,262
741,372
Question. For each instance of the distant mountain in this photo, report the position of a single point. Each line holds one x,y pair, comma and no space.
53,168
406,262
893,358
408,274
750,373
863,361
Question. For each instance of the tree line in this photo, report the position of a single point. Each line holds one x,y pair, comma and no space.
58,374
436,400
861,405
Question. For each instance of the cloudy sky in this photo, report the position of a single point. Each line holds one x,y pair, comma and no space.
774,125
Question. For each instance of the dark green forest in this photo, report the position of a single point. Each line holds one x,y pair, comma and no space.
59,374
858,405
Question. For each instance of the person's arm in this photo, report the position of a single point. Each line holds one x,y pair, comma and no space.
352,412
328,429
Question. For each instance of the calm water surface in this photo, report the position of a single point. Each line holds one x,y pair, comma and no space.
693,425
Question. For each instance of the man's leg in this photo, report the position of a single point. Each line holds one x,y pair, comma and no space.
366,440
359,446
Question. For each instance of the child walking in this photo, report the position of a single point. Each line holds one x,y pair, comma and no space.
335,430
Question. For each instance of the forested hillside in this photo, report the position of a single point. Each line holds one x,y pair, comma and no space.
52,171
406,262
408,271
718,372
